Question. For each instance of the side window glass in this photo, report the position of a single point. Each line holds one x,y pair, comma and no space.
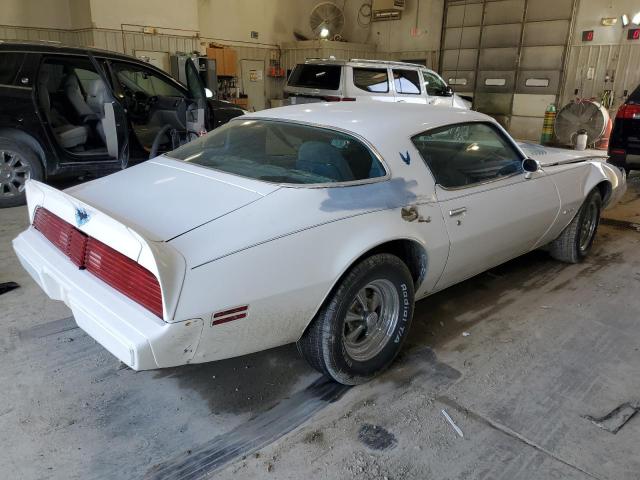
433,84
10,64
134,78
86,77
467,154
406,81
371,79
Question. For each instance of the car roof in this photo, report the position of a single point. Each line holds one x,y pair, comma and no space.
373,120
57,47
362,61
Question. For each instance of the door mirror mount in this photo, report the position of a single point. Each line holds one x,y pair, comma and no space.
447,91
530,166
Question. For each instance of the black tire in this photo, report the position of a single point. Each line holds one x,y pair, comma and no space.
16,157
325,345
574,243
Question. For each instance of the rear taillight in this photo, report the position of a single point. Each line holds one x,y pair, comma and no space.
118,271
618,152
629,112
125,275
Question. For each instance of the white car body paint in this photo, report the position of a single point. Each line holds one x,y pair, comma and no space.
218,241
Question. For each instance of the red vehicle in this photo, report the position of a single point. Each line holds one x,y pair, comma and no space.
624,144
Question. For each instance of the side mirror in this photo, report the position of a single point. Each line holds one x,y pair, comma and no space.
529,165
208,93
447,91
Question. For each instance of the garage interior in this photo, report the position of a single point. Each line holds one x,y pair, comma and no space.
526,371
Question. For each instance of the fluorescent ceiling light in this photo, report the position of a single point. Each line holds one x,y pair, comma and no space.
324,33
636,19
625,19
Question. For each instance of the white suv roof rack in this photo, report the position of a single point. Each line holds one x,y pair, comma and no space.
337,61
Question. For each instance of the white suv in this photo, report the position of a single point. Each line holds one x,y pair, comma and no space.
349,80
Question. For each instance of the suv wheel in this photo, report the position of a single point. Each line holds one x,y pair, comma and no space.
18,163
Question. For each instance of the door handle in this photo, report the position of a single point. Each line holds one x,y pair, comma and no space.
457,211
401,101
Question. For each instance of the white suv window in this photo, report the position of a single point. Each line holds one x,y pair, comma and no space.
373,80
406,81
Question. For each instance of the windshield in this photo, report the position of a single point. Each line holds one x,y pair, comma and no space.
282,152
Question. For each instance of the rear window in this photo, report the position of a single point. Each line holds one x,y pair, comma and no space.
323,77
282,152
371,79
10,64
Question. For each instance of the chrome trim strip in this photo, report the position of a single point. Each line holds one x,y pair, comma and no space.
17,87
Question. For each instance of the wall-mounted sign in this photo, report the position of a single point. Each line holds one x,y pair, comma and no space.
587,36
255,75
633,34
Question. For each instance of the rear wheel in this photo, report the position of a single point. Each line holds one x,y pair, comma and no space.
18,163
575,241
361,327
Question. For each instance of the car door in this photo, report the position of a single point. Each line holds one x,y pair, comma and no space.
493,211
78,109
408,85
197,109
437,90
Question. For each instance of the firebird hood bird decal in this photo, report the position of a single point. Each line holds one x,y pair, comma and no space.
82,216
406,158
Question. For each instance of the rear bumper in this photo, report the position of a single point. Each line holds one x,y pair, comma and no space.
625,161
131,333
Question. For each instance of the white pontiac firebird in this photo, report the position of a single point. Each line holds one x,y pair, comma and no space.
318,224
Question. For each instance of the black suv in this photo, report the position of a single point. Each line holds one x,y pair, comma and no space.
624,143
68,111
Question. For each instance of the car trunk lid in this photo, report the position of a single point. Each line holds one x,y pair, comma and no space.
163,198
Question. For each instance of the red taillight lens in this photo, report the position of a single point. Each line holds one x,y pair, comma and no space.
123,274
54,228
618,152
629,112
118,271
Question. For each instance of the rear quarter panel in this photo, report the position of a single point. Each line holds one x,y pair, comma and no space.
286,280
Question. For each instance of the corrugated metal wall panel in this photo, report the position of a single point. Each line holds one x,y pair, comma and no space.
620,62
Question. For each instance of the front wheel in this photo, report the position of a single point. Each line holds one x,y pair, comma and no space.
364,322
575,241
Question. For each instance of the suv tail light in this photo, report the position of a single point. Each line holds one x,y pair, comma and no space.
629,111
115,269
338,99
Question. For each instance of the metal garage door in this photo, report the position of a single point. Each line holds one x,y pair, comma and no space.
508,54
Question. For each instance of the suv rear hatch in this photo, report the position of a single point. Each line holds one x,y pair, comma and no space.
313,82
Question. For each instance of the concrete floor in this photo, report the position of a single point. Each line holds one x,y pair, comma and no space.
517,357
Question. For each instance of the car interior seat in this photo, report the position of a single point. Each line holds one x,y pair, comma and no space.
74,94
99,103
325,160
68,135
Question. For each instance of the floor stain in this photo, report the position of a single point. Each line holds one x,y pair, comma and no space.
260,431
376,437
